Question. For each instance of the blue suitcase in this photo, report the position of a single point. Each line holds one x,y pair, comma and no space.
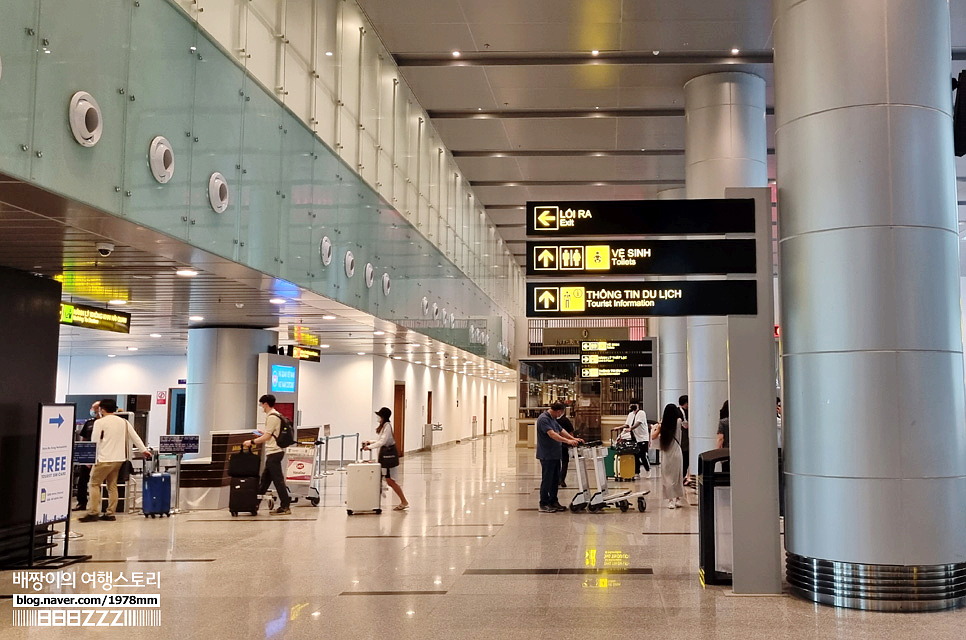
156,495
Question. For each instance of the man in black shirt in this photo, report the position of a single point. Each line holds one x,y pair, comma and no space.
83,475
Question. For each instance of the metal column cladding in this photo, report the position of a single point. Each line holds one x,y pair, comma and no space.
874,420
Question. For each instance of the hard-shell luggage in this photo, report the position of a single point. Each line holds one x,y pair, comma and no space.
363,487
625,466
244,464
156,494
243,496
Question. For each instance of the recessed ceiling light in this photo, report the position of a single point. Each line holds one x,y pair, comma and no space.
111,355
454,357
328,317
155,335
117,302
419,362
277,300
132,348
397,357
456,54
360,353
656,52
323,346
141,277
196,318
186,273
594,52
440,353
328,53
434,366
378,333
735,51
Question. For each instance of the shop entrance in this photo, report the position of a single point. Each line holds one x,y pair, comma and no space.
399,417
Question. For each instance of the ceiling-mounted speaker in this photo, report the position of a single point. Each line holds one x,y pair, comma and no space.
218,192
85,119
161,159
959,116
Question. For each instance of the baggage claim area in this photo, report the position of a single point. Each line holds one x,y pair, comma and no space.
533,312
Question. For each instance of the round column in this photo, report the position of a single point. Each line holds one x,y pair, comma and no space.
874,420
672,335
725,146
222,390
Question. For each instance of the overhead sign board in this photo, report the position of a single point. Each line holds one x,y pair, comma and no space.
79,315
641,257
616,372
303,335
305,353
635,298
54,463
641,217
627,346
617,359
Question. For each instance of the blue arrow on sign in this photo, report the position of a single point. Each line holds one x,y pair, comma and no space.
59,420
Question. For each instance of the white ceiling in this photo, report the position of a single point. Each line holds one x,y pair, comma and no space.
521,57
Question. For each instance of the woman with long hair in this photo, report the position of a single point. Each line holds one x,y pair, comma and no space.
672,462
386,439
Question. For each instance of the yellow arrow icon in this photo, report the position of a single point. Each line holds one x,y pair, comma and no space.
547,299
546,218
546,258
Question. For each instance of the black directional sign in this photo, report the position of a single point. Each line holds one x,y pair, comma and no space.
640,217
615,359
635,298
640,257
615,371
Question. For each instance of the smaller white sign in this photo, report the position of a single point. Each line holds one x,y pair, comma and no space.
54,463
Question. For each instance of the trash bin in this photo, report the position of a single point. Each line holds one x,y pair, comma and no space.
715,551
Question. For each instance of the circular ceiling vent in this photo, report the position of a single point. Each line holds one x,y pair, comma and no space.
85,118
325,250
161,159
350,264
218,192
386,284
370,275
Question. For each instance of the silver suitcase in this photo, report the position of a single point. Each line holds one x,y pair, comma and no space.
363,487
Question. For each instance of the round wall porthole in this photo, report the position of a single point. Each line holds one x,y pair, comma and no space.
350,264
325,250
85,119
425,304
218,192
370,275
386,284
161,159
435,311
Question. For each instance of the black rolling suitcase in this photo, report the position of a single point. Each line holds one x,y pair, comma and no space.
244,464
243,496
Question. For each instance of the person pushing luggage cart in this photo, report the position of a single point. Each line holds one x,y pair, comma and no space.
385,451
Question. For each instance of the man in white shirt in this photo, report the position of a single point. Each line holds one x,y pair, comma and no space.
268,438
637,423
112,434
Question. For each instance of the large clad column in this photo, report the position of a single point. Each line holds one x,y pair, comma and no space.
672,344
725,146
222,391
875,434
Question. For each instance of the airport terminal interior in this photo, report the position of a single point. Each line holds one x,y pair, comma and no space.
742,217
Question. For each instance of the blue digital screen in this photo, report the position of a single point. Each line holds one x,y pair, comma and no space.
283,378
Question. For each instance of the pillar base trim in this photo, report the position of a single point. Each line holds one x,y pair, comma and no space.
874,587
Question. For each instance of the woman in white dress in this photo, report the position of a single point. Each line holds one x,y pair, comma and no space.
672,462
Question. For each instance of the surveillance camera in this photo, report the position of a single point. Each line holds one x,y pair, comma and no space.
104,248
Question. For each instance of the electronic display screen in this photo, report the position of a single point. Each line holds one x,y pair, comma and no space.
283,378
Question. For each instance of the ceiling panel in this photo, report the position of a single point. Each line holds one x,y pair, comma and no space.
562,133
484,134
451,87
491,168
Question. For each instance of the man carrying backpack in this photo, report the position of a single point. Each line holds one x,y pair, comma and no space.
269,438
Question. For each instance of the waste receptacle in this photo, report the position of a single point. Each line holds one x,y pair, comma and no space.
715,551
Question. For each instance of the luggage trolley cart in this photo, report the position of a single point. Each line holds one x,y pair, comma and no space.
302,472
595,501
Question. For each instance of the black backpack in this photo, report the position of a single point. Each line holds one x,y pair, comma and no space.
286,432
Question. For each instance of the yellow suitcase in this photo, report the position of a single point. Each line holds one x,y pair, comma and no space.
624,469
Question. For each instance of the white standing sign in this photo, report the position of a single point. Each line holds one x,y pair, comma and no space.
54,463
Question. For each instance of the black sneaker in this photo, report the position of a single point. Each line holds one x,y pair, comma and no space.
546,509
558,507
281,511
90,517
108,518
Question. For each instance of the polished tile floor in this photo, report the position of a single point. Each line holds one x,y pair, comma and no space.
472,558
